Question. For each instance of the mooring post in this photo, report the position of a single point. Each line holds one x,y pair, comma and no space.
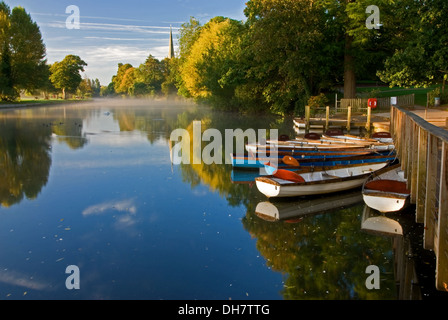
307,118
369,115
349,118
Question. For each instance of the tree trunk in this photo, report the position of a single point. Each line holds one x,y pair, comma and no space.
349,70
64,96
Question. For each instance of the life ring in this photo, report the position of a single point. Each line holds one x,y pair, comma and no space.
372,103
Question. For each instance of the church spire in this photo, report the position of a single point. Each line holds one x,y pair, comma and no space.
171,51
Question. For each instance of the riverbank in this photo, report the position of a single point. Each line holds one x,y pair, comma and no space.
39,103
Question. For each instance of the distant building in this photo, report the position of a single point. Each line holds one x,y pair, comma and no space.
171,50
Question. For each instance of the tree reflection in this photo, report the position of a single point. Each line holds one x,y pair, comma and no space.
323,256
24,160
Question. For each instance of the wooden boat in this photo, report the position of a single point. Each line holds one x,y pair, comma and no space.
313,180
374,223
315,141
277,211
386,192
298,146
250,163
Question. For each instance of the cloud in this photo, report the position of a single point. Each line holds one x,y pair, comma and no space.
22,280
120,206
112,27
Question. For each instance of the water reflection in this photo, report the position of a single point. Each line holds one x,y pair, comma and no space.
24,160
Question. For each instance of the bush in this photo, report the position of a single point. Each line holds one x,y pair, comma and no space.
317,102
437,93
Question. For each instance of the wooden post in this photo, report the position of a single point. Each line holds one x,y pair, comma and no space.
442,248
349,118
421,175
431,179
327,118
307,118
414,161
369,115
336,104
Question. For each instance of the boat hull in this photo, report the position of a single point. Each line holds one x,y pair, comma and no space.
386,192
319,182
383,203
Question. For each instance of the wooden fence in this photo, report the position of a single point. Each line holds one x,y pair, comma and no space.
423,151
360,105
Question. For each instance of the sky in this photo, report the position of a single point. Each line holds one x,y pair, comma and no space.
112,32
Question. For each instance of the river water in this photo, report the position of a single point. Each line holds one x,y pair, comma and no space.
91,185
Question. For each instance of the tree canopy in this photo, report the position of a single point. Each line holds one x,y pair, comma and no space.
22,60
66,75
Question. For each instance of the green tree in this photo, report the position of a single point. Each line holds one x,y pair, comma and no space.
422,58
22,51
149,77
65,75
288,46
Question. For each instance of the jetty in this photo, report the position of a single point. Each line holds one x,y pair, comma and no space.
422,148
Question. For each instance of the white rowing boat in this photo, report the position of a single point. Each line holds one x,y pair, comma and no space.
387,192
312,180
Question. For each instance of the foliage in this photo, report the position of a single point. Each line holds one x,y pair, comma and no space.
422,58
437,93
317,102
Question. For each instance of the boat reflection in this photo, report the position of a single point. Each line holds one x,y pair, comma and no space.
290,210
376,223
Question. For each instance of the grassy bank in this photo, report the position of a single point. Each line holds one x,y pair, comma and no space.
384,92
37,102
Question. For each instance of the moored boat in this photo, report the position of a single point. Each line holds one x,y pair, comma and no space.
386,192
316,180
251,163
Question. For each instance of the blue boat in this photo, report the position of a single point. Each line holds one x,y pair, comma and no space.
311,159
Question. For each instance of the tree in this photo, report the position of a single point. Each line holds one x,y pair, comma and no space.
206,64
22,51
288,51
117,79
65,75
149,77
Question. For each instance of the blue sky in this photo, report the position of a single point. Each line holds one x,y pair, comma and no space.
115,31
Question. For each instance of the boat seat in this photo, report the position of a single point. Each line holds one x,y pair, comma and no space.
388,186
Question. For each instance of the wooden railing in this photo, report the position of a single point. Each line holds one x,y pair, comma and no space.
423,151
360,104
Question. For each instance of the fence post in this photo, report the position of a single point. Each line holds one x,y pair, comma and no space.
442,257
327,117
349,118
307,118
369,115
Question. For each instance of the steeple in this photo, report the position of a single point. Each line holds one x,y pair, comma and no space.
171,51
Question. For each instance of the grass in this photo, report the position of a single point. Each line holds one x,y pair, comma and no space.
381,92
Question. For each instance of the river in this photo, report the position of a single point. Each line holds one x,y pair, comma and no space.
91,185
